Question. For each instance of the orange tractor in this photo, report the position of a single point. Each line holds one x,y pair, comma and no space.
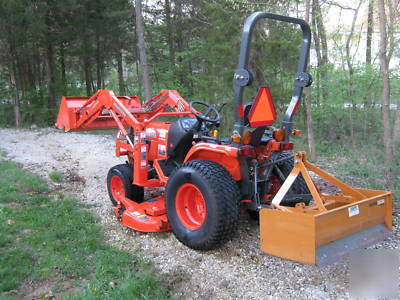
206,180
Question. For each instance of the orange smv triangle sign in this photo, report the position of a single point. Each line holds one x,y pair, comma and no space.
262,112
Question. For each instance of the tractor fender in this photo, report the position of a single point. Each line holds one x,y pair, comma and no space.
225,155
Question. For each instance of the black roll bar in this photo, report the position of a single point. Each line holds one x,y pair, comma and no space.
243,76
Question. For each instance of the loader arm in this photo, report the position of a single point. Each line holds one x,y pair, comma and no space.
106,99
105,110
102,110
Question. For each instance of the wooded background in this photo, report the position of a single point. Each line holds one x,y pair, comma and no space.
51,48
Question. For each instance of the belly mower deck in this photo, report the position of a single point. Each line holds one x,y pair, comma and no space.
148,216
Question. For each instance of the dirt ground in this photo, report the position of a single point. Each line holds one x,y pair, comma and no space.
237,270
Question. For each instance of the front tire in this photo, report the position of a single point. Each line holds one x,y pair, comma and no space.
202,202
119,183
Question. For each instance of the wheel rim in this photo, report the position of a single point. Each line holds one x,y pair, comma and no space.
190,206
117,188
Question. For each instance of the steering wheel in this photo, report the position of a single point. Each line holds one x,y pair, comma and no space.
205,117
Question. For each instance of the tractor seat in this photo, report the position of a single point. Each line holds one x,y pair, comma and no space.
180,138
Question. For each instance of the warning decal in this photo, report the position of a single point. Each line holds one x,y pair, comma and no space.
354,210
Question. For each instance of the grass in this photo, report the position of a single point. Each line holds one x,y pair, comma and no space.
57,241
56,176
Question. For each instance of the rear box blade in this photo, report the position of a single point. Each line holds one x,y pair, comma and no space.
322,238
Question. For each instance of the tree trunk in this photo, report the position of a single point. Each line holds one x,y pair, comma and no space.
142,50
179,39
88,82
62,63
396,130
179,25
62,68
38,67
137,63
121,83
368,60
167,8
50,80
370,29
317,45
308,102
17,111
49,62
391,26
310,131
98,62
86,65
30,73
324,49
384,67
351,73
13,82
348,43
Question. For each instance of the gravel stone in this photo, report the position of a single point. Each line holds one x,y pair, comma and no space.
236,270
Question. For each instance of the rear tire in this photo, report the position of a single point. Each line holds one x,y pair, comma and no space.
206,212
299,186
119,181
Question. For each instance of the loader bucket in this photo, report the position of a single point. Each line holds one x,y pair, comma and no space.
332,227
72,109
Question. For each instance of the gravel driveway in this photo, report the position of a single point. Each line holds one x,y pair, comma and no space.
237,270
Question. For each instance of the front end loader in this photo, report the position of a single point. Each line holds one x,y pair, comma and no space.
203,181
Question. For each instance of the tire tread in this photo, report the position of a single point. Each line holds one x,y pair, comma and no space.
227,192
